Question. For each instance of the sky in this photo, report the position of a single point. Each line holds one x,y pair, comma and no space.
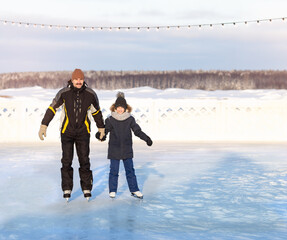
249,46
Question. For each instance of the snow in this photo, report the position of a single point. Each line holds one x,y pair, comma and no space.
191,191
40,93
171,114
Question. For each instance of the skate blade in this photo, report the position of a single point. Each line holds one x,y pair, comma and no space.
67,199
88,199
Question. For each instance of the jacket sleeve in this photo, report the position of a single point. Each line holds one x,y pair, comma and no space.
54,106
108,126
96,110
137,130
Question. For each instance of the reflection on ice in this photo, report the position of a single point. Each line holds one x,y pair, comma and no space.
191,191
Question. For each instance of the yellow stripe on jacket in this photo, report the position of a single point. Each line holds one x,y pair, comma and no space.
95,113
87,124
52,109
67,119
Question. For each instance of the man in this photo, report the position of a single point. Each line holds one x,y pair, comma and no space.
77,99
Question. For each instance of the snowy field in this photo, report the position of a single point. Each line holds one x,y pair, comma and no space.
171,114
191,191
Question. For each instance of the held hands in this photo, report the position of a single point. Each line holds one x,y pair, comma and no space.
101,134
42,131
149,141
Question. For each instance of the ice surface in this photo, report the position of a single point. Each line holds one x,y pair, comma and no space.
191,191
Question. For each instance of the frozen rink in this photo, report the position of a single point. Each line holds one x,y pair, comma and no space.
191,191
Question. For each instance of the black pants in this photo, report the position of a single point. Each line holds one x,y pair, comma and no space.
82,142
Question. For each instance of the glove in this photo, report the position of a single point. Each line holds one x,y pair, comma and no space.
149,141
98,134
42,131
102,133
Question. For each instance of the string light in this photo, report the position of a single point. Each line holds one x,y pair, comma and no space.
137,28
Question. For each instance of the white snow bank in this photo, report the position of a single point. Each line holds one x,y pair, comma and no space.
171,114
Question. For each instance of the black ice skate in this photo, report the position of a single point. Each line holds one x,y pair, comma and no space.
87,194
67,194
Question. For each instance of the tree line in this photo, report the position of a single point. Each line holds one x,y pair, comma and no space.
185,79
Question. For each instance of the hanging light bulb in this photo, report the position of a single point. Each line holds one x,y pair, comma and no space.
19,24
27,25
67,27
147,29
92,29
34,25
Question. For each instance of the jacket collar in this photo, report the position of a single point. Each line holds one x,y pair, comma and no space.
70,85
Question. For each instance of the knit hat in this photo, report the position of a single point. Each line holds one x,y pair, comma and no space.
78,73
121,101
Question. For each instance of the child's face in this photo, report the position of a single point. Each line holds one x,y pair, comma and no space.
120,110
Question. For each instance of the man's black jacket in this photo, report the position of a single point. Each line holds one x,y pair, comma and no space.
76,104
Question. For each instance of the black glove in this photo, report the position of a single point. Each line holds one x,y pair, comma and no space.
149,141
98,134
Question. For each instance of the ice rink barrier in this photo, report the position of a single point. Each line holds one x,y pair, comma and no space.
164,119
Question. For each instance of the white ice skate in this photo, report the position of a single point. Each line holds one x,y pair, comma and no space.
112,194
137,194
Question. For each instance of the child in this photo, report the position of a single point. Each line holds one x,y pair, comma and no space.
119,124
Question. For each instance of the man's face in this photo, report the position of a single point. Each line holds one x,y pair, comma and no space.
78,82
